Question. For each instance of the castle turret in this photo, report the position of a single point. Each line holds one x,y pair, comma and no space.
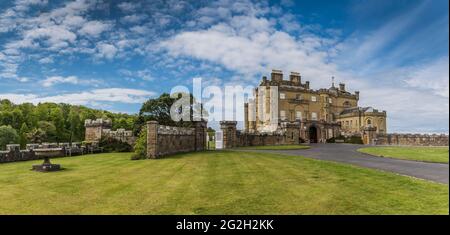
95,128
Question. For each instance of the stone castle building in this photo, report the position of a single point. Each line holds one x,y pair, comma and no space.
101,128
319,114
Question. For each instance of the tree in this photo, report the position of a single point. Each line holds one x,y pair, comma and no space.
158,109
23,135
36,136
49,129
8,135
140,147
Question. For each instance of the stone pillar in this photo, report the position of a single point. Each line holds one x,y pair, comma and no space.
369,135
152,139
229,133
200,135
246,121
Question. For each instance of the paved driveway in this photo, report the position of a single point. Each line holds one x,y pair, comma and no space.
347,153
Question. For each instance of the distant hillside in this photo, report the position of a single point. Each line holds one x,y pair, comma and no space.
53,122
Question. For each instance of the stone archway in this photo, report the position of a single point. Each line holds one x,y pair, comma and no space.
313,134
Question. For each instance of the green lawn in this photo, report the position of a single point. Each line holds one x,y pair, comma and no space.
213,182
276,147
425,154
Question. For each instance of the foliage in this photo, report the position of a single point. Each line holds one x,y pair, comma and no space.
158,109
140,147
59,122
110,144
350,140
37,136
8,135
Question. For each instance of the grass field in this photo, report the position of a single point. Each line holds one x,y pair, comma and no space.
213,182
276,147
425,154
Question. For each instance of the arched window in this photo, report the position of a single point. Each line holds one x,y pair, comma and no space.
369,122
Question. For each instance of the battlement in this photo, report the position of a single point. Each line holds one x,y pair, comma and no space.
105,123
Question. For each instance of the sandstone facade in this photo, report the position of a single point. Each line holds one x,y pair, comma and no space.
321,114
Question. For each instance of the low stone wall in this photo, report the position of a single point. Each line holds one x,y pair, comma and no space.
412,140
165,140
38,151
234,138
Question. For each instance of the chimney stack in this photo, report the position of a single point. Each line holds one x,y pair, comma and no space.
277,75
341,86
307,85
295,78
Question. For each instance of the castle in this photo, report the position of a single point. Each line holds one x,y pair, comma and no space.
101,128
318,114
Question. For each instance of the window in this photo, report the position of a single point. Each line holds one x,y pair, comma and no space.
313,98
369,122
330,100
282,96
298,115
314,116
283,115
346,104
298,97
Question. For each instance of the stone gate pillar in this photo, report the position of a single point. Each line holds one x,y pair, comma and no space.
369,135
229,133
200,135
152,139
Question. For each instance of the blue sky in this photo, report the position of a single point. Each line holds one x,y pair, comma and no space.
114,55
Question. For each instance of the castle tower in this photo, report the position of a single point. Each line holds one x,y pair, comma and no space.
95,128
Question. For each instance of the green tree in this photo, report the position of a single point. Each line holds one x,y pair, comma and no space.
36,136
23,135
8,135
140,147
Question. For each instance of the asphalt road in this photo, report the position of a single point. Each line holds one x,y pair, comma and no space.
347,153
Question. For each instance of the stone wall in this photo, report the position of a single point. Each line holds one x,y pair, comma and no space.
13,152
100,128
412,140
233,138
165,140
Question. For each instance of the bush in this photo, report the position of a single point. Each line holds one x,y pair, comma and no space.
350,140
140,147
8,135
113,145
354,140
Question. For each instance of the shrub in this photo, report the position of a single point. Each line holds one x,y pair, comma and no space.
350,140
8,135
354,140
140,147
113,145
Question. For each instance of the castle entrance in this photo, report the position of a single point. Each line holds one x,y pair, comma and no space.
312,134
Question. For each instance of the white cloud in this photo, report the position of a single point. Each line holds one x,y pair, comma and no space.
128,6
94,28
106,50
50,81
431,77
118,95
144,74
251,45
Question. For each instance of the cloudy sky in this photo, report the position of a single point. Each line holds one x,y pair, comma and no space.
115,54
